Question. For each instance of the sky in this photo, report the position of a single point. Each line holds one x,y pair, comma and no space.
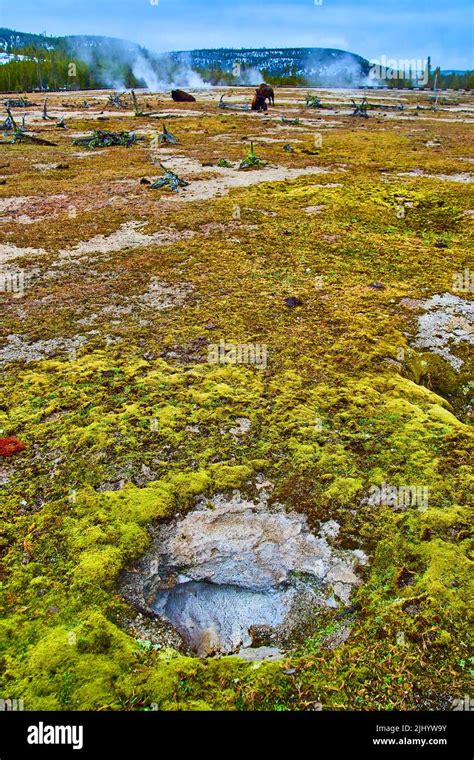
372,28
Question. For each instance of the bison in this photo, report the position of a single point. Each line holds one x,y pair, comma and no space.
259,103
179,96
267,92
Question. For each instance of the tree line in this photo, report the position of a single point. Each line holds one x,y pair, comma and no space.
40,69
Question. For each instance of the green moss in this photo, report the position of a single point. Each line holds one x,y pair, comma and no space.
230,476
122,437
344,490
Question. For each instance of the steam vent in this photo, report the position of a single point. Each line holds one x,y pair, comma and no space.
233,574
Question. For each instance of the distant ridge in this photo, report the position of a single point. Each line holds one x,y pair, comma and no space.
111,62
300,62
304,63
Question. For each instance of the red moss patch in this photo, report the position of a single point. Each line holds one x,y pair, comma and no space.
10,446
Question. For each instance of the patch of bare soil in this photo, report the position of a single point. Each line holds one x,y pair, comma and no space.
90,153
10,252
17,349
227,179
463,177
211,228
128,235
11,204
160,295
38,207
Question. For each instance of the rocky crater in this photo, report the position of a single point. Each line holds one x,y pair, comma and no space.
236,574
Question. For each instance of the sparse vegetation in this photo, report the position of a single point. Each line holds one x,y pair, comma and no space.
100,139
251,161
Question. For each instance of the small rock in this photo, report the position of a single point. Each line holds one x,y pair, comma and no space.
293,301
257,654
377,286
243,425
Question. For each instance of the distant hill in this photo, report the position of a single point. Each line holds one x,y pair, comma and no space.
326,65
11,40
321,65
41,62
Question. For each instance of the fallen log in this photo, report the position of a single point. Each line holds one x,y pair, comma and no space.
171,179
313,101
99,139
166,137
13,124
20,103
20,136
46,117
361,108
233,107
115,100
136,107
9,125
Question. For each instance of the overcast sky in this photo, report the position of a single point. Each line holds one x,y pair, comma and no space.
371,28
